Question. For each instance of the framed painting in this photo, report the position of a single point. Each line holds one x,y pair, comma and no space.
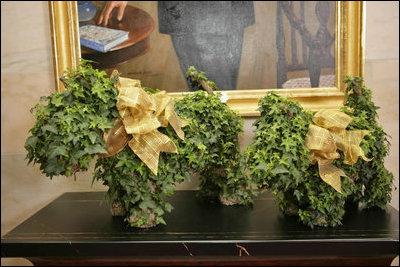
299,49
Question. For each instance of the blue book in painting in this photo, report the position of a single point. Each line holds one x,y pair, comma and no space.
100,38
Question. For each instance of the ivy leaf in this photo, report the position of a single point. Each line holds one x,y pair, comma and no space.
57,99
297,194
168,207
76,155
92,136
50,128
279,169
147,204
100,92
54,167
201,146
160,220
31,141
95,149
262,166
58,150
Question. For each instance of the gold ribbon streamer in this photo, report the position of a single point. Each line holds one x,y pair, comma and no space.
141,115
328,135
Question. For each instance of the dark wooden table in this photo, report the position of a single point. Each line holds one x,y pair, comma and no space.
77,229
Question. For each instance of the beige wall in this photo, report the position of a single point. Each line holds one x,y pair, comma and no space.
382,74
27,74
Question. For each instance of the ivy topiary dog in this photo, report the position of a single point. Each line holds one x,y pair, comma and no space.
280,162
212,145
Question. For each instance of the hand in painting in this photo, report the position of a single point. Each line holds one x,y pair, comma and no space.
106,12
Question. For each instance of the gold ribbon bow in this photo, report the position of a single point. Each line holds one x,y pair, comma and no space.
141,115
328,135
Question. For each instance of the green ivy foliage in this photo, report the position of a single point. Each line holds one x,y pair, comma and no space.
280,162
373,182
69,125
212,147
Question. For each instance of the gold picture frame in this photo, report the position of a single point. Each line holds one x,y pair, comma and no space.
349,58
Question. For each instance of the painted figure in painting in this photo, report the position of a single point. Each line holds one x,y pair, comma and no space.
208,34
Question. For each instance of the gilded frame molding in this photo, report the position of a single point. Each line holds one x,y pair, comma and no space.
349,57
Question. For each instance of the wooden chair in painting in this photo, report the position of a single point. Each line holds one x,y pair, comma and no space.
315,50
